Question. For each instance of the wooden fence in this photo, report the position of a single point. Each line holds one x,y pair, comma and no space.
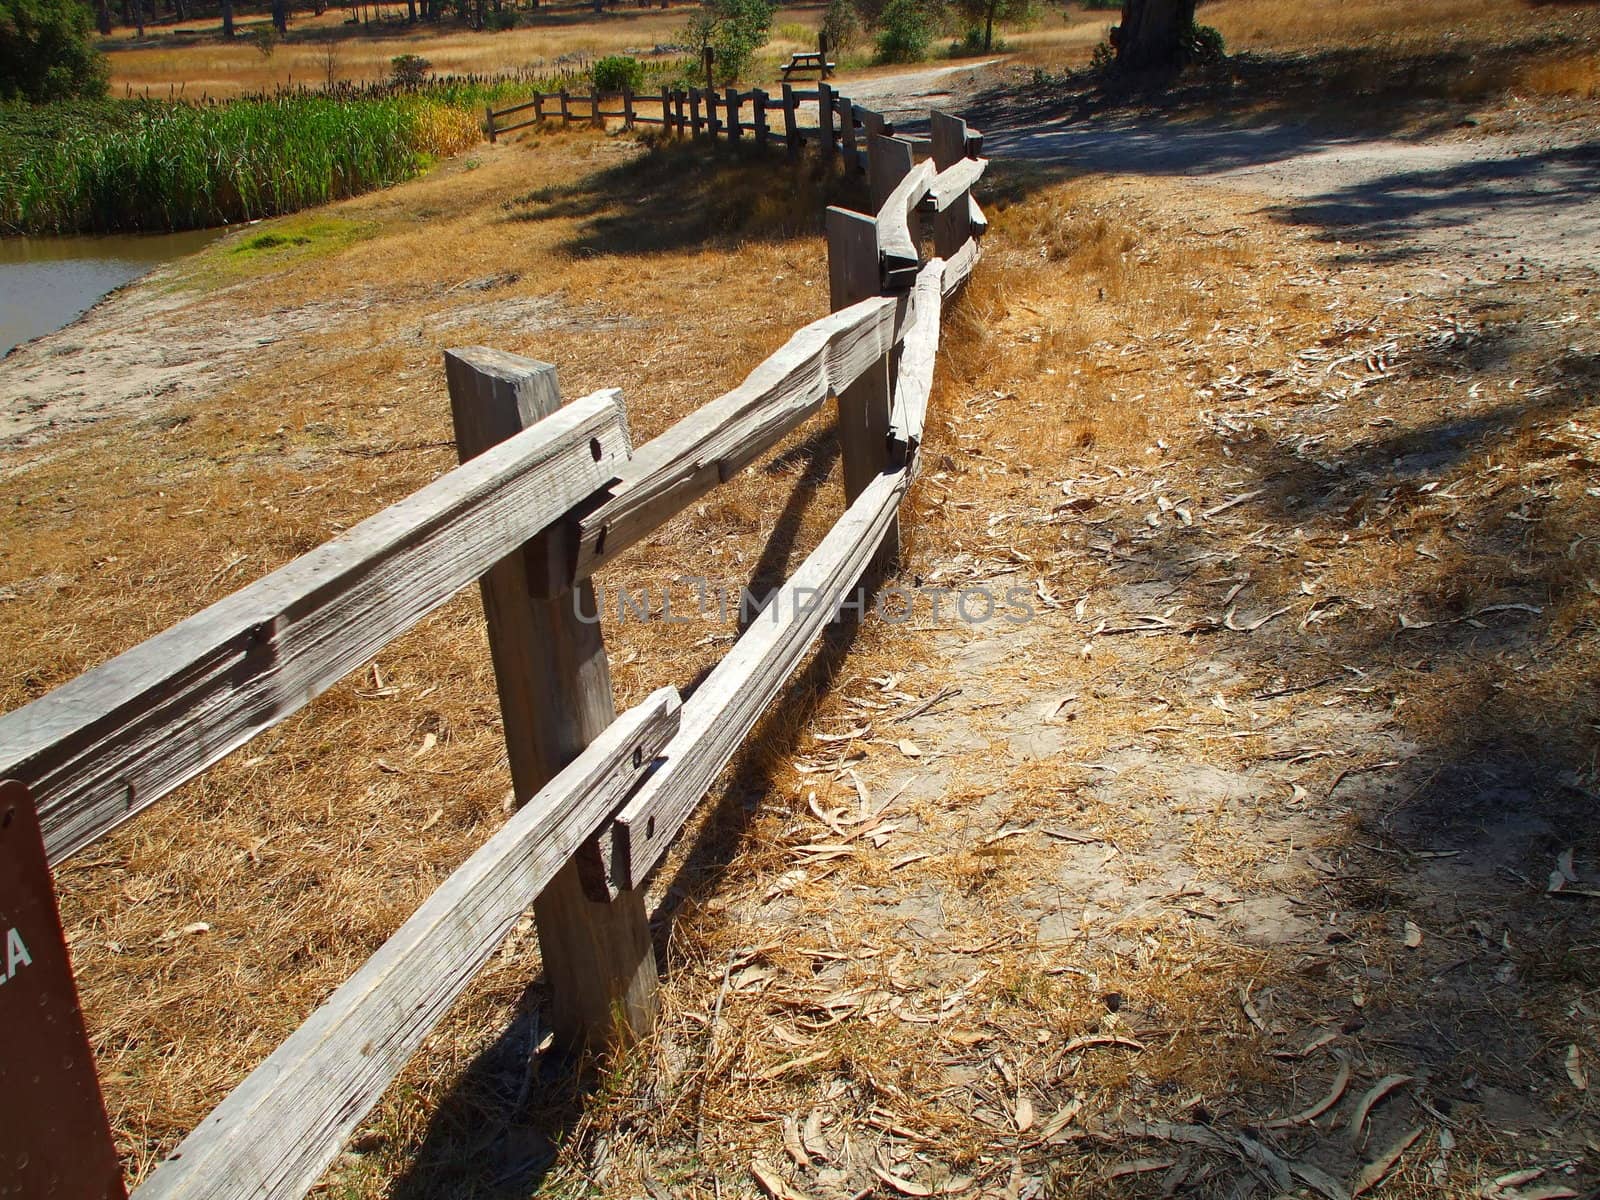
545,494
840,126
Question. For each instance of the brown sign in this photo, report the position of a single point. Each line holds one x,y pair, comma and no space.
54,1137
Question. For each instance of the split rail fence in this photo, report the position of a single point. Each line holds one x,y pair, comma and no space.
841,126
546,493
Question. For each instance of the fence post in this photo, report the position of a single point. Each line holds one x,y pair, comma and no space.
713,125
488,119
847,133
566,115
953,226
791,122
538,107
595,118
889,160
825,118
694,111
627,107
555,698
666,110
853,276
680,101
758,114
733,114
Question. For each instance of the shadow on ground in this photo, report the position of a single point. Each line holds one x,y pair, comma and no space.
498,1130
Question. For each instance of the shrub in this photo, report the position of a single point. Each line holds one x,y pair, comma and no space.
1206,44
905,33
46,51
501,19
265,40
972,44
615,72
409,70
735,29
841,25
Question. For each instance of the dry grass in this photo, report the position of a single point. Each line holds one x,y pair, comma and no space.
201,63
1577,77
1459,50
304,851
1096,343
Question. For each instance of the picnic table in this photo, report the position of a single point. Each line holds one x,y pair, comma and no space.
808,60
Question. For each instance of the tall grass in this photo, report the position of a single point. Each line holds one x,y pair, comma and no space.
119,166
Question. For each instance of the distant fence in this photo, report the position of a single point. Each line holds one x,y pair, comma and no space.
545,494
841,126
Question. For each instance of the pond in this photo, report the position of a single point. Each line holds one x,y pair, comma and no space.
47,282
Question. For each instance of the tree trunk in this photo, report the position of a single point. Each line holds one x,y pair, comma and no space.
280,16
227,18
1153,33
988,26
103,16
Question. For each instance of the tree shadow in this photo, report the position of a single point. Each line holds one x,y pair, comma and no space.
1452,819
687,195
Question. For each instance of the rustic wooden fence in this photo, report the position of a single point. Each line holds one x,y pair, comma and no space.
839,125
545,494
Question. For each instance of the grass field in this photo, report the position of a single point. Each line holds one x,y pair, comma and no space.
197,60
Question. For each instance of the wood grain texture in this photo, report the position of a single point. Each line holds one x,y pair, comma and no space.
959,265
554,683
919,351
727,704
897,223
715,442
119,737
953,183
889,160
948,134
276,1133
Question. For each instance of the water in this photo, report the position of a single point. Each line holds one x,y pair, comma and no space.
46,283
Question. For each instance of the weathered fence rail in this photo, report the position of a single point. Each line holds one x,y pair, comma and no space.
545,495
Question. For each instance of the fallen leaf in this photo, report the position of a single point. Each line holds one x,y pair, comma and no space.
772,1183
811,1137
1413,934
1060,1121
1138,1166
1375,1093
1575,1069
792,1143
1564,865
910,749
1024,1114
1100,1039
1375,1171
1341,1080
906,1187
848,736
429,741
